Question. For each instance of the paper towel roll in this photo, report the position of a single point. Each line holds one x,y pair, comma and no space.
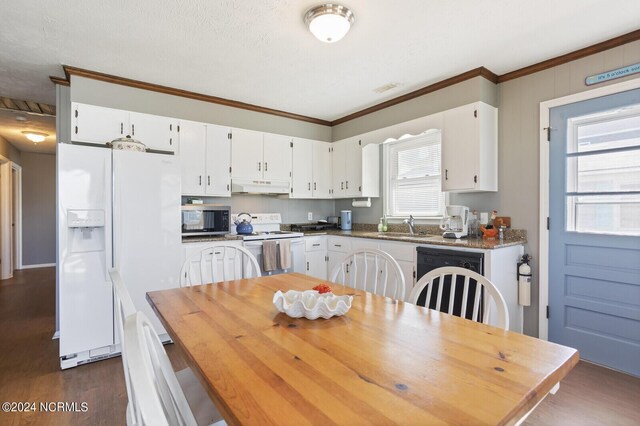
524,292
361,203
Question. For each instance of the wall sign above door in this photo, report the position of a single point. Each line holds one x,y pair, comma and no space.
613,74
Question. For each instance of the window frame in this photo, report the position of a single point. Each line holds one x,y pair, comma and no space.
386,169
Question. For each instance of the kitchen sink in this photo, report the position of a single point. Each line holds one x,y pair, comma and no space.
400,235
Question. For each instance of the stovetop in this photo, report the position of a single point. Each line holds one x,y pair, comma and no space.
271,235
306,227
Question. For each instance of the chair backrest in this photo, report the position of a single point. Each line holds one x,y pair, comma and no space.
158,395
461,292
219,263
371,270
124,308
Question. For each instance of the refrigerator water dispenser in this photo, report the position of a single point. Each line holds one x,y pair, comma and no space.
86,230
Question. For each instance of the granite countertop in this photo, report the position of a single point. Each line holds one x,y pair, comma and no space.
206,238
429,239
427,235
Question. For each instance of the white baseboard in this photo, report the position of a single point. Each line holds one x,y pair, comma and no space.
42,265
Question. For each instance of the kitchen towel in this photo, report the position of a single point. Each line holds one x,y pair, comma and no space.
285,254
269,256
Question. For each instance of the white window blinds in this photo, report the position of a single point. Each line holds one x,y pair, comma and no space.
414,177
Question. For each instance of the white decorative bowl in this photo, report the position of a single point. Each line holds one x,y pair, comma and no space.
311,304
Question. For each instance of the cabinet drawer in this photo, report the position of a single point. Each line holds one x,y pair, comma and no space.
364,244
399,251
315,243
339,244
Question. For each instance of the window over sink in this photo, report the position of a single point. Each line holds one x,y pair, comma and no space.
412,176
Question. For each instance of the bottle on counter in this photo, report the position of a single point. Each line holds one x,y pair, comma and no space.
380,226
385,226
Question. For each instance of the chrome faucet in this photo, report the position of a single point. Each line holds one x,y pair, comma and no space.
411,223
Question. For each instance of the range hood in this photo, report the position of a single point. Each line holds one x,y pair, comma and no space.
250,186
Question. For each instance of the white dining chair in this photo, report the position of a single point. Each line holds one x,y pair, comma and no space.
371,270
159,398
201,405
440,289
219,263
124,308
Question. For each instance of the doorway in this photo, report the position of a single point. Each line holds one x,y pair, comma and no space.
10,217
594,229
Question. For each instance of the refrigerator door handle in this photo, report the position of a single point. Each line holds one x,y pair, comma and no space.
108,209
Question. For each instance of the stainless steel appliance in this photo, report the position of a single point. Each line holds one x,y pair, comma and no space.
345,220
205,219
455,223
266,226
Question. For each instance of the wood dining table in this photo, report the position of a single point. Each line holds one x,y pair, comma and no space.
383,362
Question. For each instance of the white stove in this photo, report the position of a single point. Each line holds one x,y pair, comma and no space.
266,226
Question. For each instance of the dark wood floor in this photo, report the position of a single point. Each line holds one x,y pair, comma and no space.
30,371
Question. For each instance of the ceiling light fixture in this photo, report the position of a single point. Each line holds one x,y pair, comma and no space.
35,137
329,22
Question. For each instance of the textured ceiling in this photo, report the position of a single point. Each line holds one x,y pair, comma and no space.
260,52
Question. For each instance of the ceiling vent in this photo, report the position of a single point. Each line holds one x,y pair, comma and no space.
386,87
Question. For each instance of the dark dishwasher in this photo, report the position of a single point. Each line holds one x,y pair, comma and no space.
429,259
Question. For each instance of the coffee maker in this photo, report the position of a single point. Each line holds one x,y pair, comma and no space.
455,223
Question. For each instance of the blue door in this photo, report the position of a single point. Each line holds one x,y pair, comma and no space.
594,229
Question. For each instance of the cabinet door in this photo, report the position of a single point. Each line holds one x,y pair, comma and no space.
277,157
192,157
154,131
218,161
316,264
334,259
408,270
459,148
246,154
353,178
97,125
322,176
302,168
338,154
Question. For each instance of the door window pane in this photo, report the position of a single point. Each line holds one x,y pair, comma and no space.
603,173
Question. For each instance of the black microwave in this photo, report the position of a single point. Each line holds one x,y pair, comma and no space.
205,219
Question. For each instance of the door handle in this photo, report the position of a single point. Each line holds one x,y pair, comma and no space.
200,180
307,266
309,186
266,166
208,180
446,174
347,185
314,186
259,166
133,129
342,185
121,128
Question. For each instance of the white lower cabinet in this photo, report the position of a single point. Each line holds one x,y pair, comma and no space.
316,256
189,249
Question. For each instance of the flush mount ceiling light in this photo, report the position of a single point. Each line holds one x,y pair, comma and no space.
329,22
35,137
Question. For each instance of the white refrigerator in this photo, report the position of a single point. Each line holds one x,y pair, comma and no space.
115,209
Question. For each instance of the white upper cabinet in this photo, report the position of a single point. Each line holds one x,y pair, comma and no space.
218,161
277,157
470,148
322,177
356,168
246,154
302,168
205,158
311,169
193,139
157,133
98,125
258,156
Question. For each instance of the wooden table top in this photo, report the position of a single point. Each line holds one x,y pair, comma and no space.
383,362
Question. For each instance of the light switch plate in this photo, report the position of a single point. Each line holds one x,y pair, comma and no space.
310,216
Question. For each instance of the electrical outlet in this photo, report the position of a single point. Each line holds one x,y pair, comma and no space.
310,216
